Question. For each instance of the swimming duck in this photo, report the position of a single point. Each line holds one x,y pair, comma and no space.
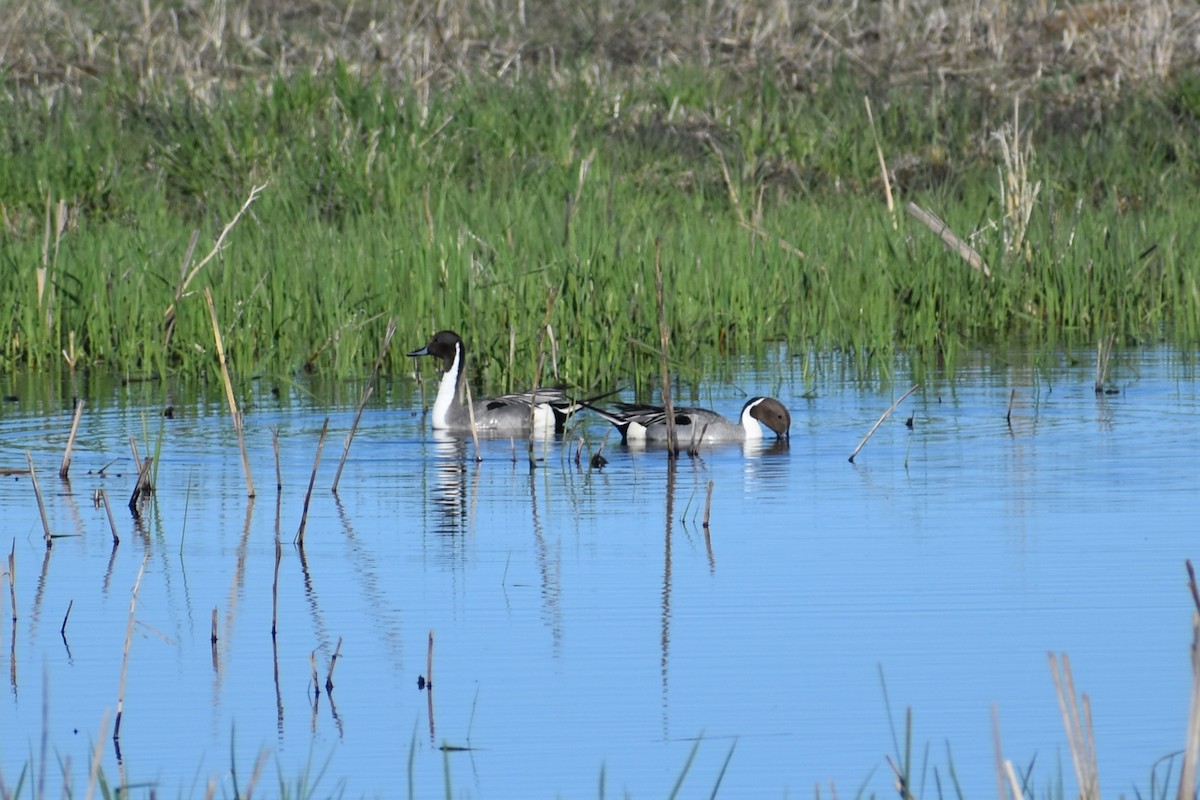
541,411
644,424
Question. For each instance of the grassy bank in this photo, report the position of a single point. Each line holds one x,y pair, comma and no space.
520,173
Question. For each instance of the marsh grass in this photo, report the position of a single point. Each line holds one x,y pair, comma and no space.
453,169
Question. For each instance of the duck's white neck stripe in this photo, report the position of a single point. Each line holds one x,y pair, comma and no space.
447,394
750,425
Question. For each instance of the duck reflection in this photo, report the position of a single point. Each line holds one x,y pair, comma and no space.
448,476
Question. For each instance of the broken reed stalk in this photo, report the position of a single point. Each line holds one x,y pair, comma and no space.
879,421
275,447
1079,729
1012,396
237,418
128,644
142,486
275,589
12,578
37,491
311,482
337,651
949,238
1103,356
66,462
429,662
883,170
67,616
186,279
387,340
664,339
708,504
112,523
1191,750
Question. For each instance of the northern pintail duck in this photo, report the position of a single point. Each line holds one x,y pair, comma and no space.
541,411
645,424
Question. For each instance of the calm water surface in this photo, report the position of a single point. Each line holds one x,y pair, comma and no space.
585,624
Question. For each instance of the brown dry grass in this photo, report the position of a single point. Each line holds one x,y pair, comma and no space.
1000,46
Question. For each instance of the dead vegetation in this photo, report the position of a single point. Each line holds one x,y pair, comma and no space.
207,44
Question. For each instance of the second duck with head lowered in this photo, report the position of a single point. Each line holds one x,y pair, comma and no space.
539,411
643,424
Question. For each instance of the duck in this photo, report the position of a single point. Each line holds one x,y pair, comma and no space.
647,424
538,411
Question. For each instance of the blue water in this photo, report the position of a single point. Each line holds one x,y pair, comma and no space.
586,627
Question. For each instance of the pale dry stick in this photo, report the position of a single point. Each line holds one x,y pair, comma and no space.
128,644
883,170
949,238
729,187
112,523
275,589
708,505
998,753
879,421
1014,784
1103,356
37,491
471,414
664,338
782,243
256,774
169,327
387,341
1079,729
187,279
237,418
1191,750
337,651
12,578
66,462
311,482
275,447
97,755
429,662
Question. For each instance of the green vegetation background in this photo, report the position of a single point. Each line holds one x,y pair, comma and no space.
514,174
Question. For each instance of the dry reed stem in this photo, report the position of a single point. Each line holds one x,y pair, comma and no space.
387,340
708,504
67,616
311,482
1017,193
1104,350
429,663
949,238
337,651
128,644
12,579
142,486
471,414
1191,750
879,421
664,339
1012,396
233,410
37,491
275,447
1079,729
883,170
97,755
275,589
187,279
112,522
66,462
729,187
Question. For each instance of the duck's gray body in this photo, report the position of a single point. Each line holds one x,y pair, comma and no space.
539,411
645,424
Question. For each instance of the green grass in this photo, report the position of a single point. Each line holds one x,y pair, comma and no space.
464,207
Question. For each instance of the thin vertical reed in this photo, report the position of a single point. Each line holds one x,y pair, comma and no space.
66,462
12,579
233,410
429,662
311,482
37,491
112,523
883,170
708,504
97,754
1012,396
275,590
1104,349
1079,729
128,644
67,616
1191,750
337,651
664,338
141,487
879,421
275,447
387,340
